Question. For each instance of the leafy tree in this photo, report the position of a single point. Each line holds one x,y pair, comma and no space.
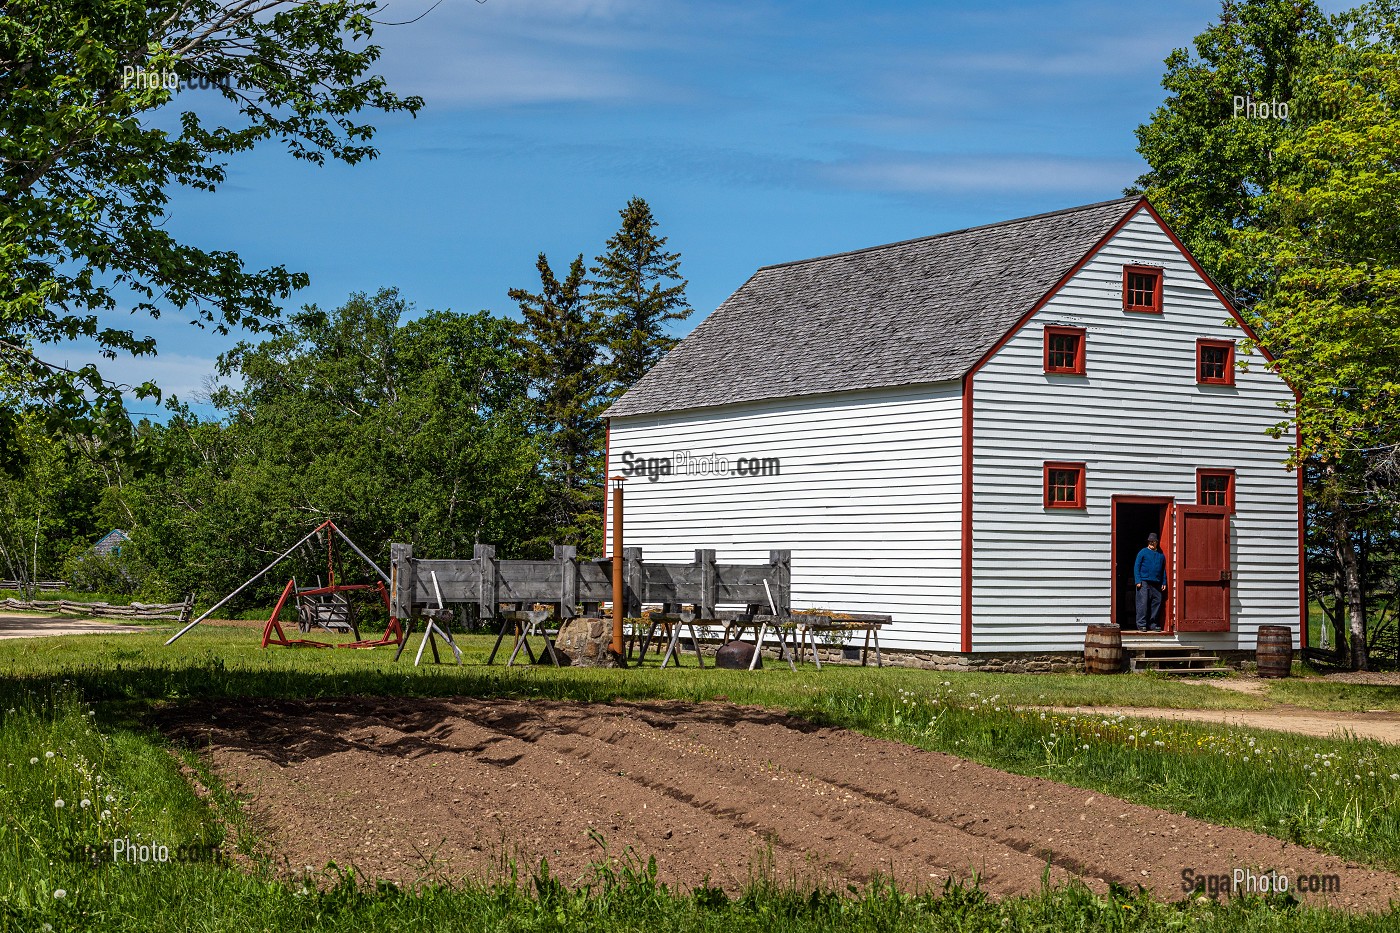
638,289
559,345
85,173
1297,219
56,501
413,431
1325,259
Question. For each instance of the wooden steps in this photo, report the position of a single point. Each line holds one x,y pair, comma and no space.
1164,654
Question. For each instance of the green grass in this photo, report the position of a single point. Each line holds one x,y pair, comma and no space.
1279,784
226,661
1331,695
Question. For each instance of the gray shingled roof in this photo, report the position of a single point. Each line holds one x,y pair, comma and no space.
917,311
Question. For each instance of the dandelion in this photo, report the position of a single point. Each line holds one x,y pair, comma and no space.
33,761
58,804
85,803
106,814
48,754
59,894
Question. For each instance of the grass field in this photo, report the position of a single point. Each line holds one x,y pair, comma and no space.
82,699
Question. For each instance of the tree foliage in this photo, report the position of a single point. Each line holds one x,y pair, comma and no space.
440,430
86,171
1299,218
637,291
560,349
1209,165
413,430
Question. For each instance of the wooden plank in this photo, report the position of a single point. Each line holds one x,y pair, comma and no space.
488,596
780,565
401,581
567,555
595,581
662,575
467,572
632,576
708,596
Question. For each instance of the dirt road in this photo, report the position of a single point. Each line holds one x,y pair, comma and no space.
1382,725
30,625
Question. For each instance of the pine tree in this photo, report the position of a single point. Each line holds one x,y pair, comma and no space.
560,344
638,290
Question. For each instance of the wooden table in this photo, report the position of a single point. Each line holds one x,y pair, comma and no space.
810,625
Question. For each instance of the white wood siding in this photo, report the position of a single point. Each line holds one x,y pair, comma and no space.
868,499
1143,426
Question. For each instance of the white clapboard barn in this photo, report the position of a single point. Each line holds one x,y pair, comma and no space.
975,432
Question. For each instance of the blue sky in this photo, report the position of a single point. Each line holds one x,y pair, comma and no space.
760,131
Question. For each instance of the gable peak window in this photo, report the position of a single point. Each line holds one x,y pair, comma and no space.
1215,362
1064,485
1064,349
1216,487
1142,289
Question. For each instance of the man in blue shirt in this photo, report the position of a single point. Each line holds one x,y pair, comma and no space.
1150,575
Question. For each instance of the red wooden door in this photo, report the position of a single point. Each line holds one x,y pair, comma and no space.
1203,568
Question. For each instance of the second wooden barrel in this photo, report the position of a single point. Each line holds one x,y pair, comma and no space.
1103,650
1274,652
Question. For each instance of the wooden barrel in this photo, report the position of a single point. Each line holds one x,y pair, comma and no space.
1103,650
1274,651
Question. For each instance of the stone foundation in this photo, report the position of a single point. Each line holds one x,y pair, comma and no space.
1005,662
588,643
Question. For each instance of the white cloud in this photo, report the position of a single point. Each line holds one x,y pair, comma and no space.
501,54
924,173
176,373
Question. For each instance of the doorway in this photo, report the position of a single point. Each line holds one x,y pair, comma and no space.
1134,517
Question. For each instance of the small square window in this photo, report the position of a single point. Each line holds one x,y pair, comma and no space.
1064,485
1064,349
1142,289
1216,487
1215,362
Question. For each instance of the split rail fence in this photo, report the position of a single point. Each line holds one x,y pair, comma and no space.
178,612
36,586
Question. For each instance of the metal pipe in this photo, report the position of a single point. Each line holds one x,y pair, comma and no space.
363,556
618,589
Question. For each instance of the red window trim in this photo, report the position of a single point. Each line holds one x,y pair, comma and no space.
1229,378
1228,472
1156,273
1079,490
1055,330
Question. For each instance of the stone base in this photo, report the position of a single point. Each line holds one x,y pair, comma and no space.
588,643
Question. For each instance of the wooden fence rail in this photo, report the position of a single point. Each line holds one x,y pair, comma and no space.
36,585
178,612
572,584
